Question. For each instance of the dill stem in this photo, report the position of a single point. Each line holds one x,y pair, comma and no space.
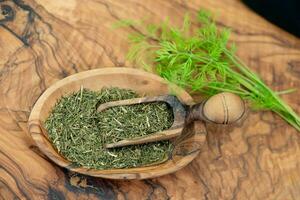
280,107
228,90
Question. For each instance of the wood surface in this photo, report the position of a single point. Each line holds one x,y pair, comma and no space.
186,146
46,41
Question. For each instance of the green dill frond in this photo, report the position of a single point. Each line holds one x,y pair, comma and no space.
186,25
204,61
204,17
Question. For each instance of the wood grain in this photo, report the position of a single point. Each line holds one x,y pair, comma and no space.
49,40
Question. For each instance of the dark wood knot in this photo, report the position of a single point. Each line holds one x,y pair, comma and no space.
7,13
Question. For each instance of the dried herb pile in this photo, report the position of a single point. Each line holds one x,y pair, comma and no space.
79,132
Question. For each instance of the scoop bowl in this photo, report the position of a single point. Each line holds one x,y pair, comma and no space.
186,146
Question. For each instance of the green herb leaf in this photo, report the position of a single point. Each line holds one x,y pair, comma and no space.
204,61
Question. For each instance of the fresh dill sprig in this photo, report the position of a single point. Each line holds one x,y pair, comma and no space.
204,61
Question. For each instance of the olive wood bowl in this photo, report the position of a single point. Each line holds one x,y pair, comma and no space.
186,146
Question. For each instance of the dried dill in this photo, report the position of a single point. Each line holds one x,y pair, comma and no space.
79,132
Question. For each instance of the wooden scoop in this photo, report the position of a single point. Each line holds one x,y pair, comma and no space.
222,108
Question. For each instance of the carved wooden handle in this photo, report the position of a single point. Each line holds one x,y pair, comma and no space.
223,108
159,136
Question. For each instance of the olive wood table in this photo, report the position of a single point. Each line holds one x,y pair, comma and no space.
44,41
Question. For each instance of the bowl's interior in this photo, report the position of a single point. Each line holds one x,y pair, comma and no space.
186,147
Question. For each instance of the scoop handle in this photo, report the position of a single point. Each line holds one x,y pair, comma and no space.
222,108
155,137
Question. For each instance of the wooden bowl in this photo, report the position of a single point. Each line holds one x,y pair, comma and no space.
186,147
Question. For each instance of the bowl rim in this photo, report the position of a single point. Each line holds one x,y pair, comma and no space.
37,131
